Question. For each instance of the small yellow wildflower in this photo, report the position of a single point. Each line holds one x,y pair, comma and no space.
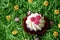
8,17
14,32
16,7
56,11
46,3
59,25
55,34
30,1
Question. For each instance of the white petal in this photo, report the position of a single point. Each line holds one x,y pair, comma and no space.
37,27
41,25
34,28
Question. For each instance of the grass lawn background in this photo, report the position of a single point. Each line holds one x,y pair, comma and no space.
7,8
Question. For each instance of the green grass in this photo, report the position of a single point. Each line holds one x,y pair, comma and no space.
7,8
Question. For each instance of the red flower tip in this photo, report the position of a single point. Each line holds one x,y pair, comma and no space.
32,19
38,17
36,22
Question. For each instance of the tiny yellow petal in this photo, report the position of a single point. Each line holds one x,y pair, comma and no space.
8,17
16,7
30,1
14,32
59,25
46,3
55,34
56,11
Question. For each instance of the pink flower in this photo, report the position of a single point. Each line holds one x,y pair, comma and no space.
36,38
29,12
32,19
16,19
38,17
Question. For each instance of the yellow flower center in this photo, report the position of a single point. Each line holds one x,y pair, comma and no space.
56,11
16,7
30,1
59,25
55,34
46,3
8,17
14,32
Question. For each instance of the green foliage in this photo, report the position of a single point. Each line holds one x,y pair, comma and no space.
7,8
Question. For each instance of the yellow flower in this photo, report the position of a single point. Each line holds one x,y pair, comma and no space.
55,34
30,1
14,32
56,11
8,17
46,3
59,25
16,7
